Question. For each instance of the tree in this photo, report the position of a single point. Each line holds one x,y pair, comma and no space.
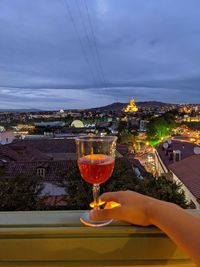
126,138
122,127
123,177
161,127
163,189
79,193
21,193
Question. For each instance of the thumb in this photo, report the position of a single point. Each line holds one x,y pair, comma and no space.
105,214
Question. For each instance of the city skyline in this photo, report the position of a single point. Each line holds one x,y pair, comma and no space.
83,54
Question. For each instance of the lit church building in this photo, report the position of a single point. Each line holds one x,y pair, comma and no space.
131,107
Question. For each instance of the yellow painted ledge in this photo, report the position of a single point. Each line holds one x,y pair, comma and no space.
56,238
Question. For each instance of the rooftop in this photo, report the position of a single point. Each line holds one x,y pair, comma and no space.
186,149
48,145
54,170
188,171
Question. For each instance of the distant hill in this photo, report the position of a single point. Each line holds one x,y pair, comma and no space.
114,106
152,103
20,110
119,106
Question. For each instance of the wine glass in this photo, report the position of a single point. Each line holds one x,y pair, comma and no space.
96,157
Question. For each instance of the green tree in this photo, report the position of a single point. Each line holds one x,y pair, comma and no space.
161,127
123,177
21,193
162,189
122,127
79,193
126,138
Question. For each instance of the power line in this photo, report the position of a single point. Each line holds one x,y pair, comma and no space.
90,43
80,41
95,43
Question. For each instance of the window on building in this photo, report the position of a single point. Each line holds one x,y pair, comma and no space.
41,172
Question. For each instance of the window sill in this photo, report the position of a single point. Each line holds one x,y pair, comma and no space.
56,238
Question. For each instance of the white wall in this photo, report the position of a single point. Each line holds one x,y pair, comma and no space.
52,189
6,137
160,167
189,196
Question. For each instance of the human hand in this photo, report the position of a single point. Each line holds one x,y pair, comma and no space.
134,208
143,210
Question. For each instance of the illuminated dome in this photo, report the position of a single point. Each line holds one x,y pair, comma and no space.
62,111
77,124
131,107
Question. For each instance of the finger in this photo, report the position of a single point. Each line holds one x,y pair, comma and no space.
106,214
112,196
111,205
100,203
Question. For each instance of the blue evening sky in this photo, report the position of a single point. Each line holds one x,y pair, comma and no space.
86,53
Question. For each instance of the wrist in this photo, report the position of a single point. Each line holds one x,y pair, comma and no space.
156,208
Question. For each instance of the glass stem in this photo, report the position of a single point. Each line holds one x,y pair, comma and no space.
96,192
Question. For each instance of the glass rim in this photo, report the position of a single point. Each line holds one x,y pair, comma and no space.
95,138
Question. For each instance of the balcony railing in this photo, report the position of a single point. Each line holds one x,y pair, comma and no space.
56,238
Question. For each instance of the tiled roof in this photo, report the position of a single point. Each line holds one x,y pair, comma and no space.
49,145
54,170
8,153
21,153
29,153
186,148
122,149
188,171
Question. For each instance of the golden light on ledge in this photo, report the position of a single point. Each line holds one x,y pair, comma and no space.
109,205
131,107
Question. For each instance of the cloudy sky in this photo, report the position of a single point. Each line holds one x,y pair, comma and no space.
86,53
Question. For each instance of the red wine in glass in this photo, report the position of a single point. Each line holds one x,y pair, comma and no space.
96,168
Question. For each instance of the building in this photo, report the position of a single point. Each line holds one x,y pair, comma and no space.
131,107
177,161
176,151
22,154
188,118
7,136
50,124
143,126
52,174
57,149
77,124
187,173
48,159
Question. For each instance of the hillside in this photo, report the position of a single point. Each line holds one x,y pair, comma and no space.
119,106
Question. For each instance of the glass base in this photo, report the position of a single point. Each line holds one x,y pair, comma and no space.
86,221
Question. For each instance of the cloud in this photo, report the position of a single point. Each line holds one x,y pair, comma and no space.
145,49
51,99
